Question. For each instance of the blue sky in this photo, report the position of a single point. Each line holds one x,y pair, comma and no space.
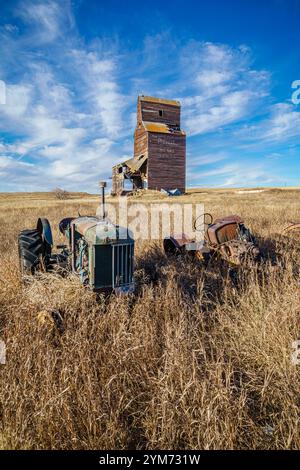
72,72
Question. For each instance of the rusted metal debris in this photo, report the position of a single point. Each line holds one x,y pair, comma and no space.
227,238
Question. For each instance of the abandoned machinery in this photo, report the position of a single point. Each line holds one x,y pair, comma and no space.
99,252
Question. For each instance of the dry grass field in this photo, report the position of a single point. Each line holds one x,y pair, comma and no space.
193,361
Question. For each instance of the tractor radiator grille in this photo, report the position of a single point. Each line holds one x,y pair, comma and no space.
122,264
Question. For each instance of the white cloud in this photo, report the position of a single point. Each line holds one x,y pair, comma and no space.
251,176
66,109
17,100
210,78
100,89
225,87
47,19
231,107
71,105
235,174
283,124
7,162
10,28
206,159
16,174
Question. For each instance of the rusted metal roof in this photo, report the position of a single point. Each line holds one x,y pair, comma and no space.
152,99
134,164
161,127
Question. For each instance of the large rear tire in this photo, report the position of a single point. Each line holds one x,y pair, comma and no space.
170,248
30,251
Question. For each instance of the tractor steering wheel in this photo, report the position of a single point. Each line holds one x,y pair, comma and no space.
202,220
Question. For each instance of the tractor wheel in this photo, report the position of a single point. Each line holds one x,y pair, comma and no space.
30,251
170,248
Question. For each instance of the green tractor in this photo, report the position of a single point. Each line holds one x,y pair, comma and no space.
99,252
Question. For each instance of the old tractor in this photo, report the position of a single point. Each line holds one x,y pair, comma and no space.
226,238
98,252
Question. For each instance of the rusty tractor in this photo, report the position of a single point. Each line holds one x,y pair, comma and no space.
226,238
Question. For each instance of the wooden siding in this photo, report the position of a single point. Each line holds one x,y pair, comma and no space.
159,138
166,161
149,111
117,181
140,141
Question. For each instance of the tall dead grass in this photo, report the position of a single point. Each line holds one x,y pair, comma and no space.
195,360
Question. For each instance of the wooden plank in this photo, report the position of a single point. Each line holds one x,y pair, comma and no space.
150,111
166,161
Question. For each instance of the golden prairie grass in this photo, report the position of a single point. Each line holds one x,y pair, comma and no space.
194,360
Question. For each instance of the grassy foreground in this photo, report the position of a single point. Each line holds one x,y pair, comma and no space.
193,361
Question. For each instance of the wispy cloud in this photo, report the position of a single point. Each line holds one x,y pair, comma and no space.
47,20
70,103
226,89
65,112
283,124
235,174
206,159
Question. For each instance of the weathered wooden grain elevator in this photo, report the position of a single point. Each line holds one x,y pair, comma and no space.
159,160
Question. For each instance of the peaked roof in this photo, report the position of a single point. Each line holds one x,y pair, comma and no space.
152,99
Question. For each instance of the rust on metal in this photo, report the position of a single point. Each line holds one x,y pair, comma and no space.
84,223
226,237
161,128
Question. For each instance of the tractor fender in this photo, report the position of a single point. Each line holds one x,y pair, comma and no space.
176,243
44,228
64,224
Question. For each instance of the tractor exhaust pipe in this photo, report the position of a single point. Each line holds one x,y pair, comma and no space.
102,185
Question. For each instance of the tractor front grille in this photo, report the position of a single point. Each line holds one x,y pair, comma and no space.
113,265
122,264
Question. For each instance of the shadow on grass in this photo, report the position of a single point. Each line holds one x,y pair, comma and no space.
189,274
